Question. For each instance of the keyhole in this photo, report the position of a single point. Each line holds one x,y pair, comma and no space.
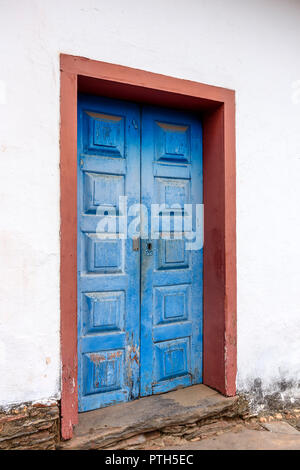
149,246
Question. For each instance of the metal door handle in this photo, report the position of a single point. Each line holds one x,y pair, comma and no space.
135,244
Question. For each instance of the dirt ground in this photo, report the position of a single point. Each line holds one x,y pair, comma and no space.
278,431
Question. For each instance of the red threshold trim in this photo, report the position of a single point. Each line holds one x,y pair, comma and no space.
216,106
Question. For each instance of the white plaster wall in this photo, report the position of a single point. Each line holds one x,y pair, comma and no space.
249,46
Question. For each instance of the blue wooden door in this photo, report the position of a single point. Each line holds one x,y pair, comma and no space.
139,308
171,285
108,268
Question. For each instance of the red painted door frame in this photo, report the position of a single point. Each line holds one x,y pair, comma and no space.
216,106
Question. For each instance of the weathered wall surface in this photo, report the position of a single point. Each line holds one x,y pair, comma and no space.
252,47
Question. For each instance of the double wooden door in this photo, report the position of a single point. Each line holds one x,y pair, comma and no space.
139,285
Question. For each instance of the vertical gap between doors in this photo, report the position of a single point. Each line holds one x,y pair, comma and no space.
140,253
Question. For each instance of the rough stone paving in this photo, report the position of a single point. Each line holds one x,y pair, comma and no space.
31,426
184,414
178,421
286,423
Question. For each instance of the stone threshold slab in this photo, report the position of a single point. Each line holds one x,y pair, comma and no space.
101,428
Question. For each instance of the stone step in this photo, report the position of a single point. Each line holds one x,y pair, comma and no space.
113,425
